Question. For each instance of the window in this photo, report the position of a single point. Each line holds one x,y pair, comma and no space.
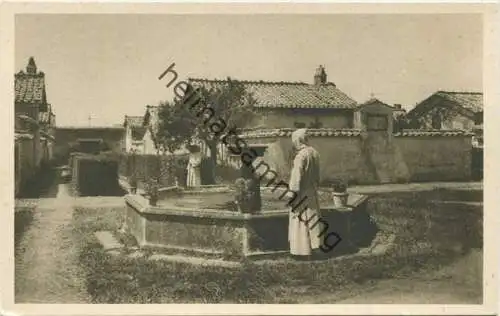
478,118
376,122
436,121
316,123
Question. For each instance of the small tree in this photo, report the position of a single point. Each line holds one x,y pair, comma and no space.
229,106
400,122
175,128
205,114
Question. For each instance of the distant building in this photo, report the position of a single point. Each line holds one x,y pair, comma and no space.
152,125
446,110
295,104
87,139
134,133
34,123
398,111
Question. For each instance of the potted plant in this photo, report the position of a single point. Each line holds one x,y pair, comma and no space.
153,192
243,196
133,184
340,194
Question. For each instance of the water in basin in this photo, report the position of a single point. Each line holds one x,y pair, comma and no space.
217,200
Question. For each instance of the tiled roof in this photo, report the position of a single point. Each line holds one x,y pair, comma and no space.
30,88
22,136
372,101
329,132
287,132
92,128
418,132
132,121
472,101
288,94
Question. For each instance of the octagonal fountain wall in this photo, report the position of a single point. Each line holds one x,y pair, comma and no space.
201,222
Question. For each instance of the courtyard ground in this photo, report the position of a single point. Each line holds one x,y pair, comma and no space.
53,234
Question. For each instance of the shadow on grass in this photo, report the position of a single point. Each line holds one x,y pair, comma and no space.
42,184
22,219
427,238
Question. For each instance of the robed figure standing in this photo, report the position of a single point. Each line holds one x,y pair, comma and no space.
304,229
194,167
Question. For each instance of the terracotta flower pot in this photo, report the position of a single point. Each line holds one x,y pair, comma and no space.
340,199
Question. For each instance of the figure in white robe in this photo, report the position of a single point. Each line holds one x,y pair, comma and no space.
304,229
194,170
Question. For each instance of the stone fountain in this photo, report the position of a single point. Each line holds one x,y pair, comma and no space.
201,222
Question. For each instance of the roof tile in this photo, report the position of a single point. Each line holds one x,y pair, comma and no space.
418,132
134,121
469,100
288,94
29,88
287,132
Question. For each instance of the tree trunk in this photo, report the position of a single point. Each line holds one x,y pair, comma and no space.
212,146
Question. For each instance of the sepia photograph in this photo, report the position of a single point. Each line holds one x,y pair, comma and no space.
307,158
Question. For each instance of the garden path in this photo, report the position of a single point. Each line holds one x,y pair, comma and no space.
46,261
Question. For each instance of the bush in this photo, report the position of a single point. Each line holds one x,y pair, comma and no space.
96,174
161,167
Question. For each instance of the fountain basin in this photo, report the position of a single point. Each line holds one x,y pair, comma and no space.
193,221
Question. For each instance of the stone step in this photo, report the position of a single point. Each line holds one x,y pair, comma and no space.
108,241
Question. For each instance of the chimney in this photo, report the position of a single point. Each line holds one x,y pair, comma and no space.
320,76
31,68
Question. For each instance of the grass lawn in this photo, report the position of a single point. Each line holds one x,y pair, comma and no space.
430,237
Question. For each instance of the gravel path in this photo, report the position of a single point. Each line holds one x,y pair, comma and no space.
47,269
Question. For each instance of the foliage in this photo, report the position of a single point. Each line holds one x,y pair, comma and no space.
185,119
175,127
436,118
339,185
152,190
402,122
162,168
243,194
247,195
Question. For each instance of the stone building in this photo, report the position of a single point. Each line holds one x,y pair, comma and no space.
134,134
34,124
295,104
87,139
445,110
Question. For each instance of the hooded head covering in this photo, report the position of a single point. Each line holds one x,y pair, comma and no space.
299,137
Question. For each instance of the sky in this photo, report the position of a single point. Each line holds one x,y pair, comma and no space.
107,66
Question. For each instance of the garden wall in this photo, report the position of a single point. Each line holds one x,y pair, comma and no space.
434,156
348,154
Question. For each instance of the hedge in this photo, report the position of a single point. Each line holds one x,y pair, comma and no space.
147,167
95,174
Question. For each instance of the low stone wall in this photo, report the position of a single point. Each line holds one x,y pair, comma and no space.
229,234
359,158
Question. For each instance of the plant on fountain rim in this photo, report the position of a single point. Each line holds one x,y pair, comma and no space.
133,184
152,191
340,194
244,196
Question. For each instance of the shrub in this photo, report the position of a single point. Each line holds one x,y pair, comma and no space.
246,198
339,186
